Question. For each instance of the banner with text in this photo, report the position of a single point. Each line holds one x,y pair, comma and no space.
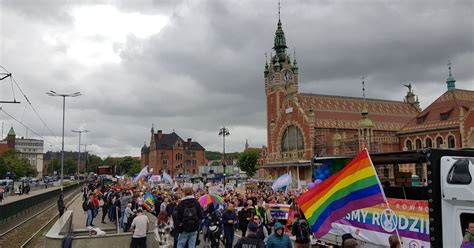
279,211
376,224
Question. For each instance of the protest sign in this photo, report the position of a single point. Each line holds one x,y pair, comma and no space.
279,211
376,224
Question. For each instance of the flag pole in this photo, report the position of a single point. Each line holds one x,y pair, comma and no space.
383,193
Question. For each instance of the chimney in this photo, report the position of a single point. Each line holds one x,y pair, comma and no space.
189,142
160,134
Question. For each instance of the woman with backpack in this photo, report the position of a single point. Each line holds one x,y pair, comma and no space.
301,230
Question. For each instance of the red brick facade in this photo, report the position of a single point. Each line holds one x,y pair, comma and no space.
301,125
171,153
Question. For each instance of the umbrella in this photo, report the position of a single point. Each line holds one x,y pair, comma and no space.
206,199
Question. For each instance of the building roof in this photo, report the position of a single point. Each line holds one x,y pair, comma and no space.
194,146
345,112
167,141
444,112
11,132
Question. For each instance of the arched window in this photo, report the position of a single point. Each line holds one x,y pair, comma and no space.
418,144
292,139
439,142
451,142
429,142
409,145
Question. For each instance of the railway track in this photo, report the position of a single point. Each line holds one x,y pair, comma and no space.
23,233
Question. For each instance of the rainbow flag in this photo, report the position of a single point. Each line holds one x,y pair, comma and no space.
140,182
354,187
148,201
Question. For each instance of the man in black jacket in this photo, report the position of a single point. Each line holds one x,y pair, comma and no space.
188,220
251,240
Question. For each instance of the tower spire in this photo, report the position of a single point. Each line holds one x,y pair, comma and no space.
450,81
279,44
279,7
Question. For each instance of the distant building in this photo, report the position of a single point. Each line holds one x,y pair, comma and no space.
9,142
32,149
171,153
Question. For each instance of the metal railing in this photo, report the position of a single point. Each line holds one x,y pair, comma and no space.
16,208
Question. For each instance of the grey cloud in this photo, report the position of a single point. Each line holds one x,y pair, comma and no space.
205,68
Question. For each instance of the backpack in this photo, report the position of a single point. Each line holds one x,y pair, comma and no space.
303,232
190,217
84,206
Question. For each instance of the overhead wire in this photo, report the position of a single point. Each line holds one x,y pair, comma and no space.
13,80
27,127
29,102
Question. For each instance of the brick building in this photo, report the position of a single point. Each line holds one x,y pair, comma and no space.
301,125
171,153
9,142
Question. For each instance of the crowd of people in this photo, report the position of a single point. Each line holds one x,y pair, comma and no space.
181,221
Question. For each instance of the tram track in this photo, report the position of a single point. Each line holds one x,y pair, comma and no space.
24,233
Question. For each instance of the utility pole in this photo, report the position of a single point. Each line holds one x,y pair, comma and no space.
87,155
54,93
79,154
223,132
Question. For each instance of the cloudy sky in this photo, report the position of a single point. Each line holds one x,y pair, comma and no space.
194,66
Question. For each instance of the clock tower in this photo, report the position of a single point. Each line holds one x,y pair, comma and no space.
281,84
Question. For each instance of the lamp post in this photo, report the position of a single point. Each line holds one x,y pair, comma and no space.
79,155
223,132
87,155
53,93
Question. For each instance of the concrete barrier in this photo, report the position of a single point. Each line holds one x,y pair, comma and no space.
82,239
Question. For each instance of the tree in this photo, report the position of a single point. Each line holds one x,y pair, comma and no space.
14,162
247,161
93,161
135,169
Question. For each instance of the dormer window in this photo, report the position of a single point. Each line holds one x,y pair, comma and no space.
444,116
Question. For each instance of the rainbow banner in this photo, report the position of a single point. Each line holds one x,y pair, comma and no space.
354,187
148,201
377,223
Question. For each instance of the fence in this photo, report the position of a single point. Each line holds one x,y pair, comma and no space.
16,208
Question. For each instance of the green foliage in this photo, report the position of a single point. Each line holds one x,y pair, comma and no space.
93,161
215,163
12,161
135,169
210,155
247,161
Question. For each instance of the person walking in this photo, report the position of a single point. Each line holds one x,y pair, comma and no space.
229,219
251,240
262,232
61,205
301,230
140,228
189,217
278,239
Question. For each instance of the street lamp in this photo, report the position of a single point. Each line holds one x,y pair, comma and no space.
53,93
223,132
87,155
79,155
